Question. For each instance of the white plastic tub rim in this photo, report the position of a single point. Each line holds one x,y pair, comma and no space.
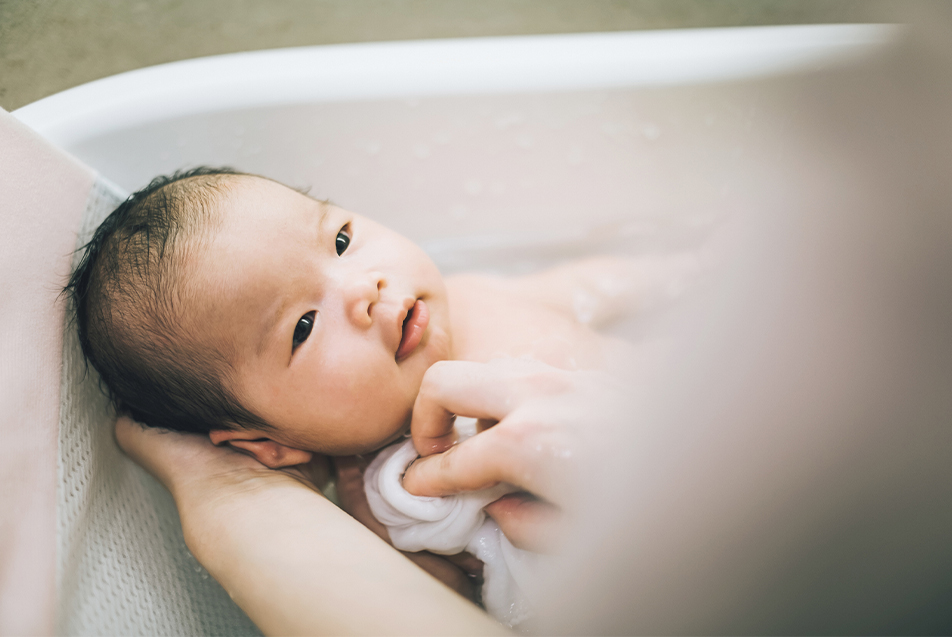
350,72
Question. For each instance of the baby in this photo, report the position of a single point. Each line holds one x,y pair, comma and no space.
230,305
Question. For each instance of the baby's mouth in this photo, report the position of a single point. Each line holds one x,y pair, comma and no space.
414,327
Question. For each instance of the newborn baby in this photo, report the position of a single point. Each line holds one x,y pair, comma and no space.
230,305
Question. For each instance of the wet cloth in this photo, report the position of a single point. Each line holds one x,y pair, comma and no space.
451,525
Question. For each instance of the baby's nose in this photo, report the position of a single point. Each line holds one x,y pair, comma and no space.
361,295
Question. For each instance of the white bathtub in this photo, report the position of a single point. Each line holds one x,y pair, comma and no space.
487,151
497,153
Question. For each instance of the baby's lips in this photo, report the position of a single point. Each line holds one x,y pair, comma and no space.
413,329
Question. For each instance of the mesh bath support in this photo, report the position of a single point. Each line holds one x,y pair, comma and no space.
117,564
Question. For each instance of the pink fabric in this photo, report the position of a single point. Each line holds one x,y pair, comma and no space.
42,195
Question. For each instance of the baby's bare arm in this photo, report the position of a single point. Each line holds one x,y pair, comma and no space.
600,290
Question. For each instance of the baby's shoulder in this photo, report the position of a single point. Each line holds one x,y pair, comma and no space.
493,317
475,285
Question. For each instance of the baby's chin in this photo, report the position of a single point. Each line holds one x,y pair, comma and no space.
372,446
401,434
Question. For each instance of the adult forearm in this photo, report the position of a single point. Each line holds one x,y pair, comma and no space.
306,567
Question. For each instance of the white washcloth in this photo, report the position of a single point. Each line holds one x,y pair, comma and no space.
450,525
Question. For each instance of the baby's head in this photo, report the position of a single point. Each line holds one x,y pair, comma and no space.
224,303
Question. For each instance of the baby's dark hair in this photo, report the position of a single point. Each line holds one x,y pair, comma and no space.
126,296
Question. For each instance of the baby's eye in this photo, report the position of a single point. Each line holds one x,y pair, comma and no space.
302,330
343,239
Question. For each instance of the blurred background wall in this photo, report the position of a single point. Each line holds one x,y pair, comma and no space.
47,46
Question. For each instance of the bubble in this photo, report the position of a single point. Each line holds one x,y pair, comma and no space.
473,187
508,120
584,306
421,151
651,132
615,130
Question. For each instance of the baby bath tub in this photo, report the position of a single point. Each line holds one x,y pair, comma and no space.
497,153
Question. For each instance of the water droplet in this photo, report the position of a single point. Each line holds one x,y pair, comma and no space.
411,102
473,187
497,187
508,120
459,212
709,119
421,151
575,157
615,130
651,132
441,138
525,141
373,148
584,305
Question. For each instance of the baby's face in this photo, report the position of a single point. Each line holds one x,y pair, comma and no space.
330,319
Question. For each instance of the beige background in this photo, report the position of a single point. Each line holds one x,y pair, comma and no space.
47,46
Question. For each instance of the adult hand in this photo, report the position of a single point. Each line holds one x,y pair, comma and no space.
534,421
191,467
196,471
294,562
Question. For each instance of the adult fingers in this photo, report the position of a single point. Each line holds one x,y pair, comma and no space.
476,463
486,391
157,450
527,522
527,455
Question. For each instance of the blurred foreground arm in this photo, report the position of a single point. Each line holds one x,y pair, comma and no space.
294,562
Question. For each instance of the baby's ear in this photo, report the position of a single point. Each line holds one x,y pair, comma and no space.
271,454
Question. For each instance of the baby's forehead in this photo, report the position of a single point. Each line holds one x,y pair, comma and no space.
241,192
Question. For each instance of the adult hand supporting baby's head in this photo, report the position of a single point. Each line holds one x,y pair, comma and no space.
544,421
193,468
